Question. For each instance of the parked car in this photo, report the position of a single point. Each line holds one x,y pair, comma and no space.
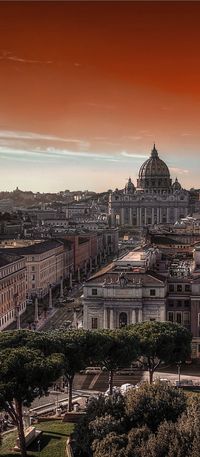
29,301
184,383
125,387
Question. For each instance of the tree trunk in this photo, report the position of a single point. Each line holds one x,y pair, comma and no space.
20,427
110,382
151,372
70,384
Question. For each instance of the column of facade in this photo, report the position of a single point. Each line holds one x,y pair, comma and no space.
111,319
131,216
138,217
79,274
105,318
168,219
133,317
122,217
161,215
158,216
86,268
152,216
145,216
140,315
162,314
112,218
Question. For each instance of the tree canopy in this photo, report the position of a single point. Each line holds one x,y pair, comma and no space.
115,349
24,375
162,342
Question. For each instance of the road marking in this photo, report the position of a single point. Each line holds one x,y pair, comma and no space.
93,382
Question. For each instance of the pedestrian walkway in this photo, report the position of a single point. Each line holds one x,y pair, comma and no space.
44,319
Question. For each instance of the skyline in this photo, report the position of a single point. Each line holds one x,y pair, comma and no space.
87,88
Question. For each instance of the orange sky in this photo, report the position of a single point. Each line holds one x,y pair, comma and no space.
85,85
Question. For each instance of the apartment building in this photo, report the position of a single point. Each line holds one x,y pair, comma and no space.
12,288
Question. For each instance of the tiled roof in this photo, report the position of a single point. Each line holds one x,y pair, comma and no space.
37,248
6,259
112,276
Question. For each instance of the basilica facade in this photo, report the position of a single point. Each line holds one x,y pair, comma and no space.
155,199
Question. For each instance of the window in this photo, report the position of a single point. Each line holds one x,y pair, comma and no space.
178,318
186,318
187,287
179,303
186,303
152,292
94,291
179,287
33,268
171,288
198,319
171,316
33,277
94,323
171,303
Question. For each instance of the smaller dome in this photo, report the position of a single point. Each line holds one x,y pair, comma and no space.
176,185
129,187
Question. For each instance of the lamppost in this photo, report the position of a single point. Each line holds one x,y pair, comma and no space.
179,372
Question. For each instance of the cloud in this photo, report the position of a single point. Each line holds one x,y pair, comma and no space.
7,55
36,136
179,171
134,155
186,134
51,152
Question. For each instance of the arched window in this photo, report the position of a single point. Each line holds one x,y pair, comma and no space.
122,320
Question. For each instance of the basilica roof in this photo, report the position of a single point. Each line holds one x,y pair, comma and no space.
154,167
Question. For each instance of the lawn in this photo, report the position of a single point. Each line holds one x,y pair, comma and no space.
53,441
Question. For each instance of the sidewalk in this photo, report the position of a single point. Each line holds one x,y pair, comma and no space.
44,320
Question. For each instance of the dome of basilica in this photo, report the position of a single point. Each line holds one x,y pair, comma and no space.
154,174
176,185
129,187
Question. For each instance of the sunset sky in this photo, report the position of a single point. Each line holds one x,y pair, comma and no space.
87,87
